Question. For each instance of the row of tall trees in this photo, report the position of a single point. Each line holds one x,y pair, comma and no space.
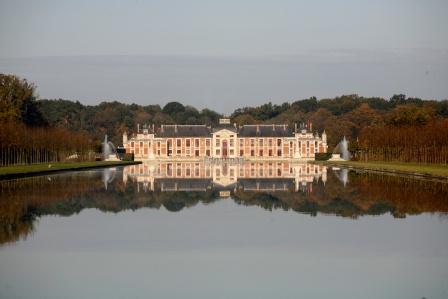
426,143
22,145
26,137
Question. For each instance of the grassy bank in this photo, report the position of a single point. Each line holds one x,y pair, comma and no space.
38,169
416,169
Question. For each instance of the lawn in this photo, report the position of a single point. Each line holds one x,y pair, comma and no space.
411,168
19,170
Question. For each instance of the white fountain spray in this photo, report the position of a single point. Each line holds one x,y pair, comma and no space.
341,152
109,152
345,154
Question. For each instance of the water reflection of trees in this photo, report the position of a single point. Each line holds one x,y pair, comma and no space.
366,194
23,201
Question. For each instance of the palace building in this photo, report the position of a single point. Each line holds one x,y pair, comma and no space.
225,141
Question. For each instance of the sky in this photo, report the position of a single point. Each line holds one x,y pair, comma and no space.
226,54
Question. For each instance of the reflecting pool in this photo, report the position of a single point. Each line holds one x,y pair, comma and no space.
204,230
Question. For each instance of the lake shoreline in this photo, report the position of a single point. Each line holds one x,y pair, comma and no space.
20,171
427,171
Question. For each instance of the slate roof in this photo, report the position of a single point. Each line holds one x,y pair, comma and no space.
183,131
225,127
265,131
204,131
265,184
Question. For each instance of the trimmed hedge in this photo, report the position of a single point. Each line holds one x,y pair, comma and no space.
128,157
322,156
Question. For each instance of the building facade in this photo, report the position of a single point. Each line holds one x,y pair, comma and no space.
226,141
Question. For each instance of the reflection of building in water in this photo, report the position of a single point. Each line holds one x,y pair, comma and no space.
226,141
249,176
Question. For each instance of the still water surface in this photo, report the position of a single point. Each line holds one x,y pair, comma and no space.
258,230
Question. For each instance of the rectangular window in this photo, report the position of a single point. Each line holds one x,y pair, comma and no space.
169,169
196,153
231,152
232,142
217,142
141,144
218,152
260,142
207,153
270,153
187,142
270,142
207,142
279,142
279,152
252,153
261,153
241,142
179,142
196,170
132,144
241,153
252,142
196,142
179,170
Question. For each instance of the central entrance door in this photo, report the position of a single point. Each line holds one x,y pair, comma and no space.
224,149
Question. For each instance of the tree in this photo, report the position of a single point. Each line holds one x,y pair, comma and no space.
173,108
18,102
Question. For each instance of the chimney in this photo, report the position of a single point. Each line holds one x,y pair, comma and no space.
273,127
138,128
258,129
311,126
295,127
125,138
175,128
284,127
161,128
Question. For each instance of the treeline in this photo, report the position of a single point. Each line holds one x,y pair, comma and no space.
408,143
366,121
26,136
22,145
342,116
